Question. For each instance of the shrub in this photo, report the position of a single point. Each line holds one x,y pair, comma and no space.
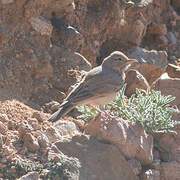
151,109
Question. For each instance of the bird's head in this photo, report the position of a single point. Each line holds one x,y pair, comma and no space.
119,61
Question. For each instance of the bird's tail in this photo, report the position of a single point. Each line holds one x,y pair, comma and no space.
65,108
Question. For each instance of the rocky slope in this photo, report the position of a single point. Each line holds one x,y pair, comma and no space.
45,47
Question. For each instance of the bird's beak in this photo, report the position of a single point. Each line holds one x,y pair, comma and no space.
134,64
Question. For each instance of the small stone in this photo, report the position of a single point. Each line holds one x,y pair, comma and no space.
136,166
4,118
30,176
67,128
2,166
53,156
12,170
7,151
39,116
7,1
31,142
1,140
23,129
12,125
3,128
41,25
171,37
53,134
43,140
157,29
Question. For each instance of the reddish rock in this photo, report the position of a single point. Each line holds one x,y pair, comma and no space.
31,142
53,134
169,86
41,25
98,160
136,166
157,29
30,176
3,128
173,71
135,80
132,140
153,63
170,170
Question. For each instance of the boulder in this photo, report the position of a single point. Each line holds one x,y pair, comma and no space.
41,25
153,63
157,29
170,170
31,142
135,80
173,71
98,161
131,139
66,128
30,176
169,86
67,66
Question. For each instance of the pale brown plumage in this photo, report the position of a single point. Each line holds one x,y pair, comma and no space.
99,86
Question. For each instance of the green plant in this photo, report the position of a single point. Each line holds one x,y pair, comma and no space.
88,113
152,110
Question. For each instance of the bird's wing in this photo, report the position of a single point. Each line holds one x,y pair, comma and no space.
95,83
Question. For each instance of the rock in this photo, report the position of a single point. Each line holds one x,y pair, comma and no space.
173,71
157,29
4,118
67,128
30,176
64,34
43,141
175,3
170,170
39,116
52,156
98,161
31,142
41,25
67,67
71,163
135,80
1,140
3,128
156,164
23,129
170,143
7,1
53,134
139,30
162,41
171,37
153,63
131,139
12,125
53,106
169,86
151,174
136,166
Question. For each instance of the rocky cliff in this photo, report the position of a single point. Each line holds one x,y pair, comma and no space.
45,47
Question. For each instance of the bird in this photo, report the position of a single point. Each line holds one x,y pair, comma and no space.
99,86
